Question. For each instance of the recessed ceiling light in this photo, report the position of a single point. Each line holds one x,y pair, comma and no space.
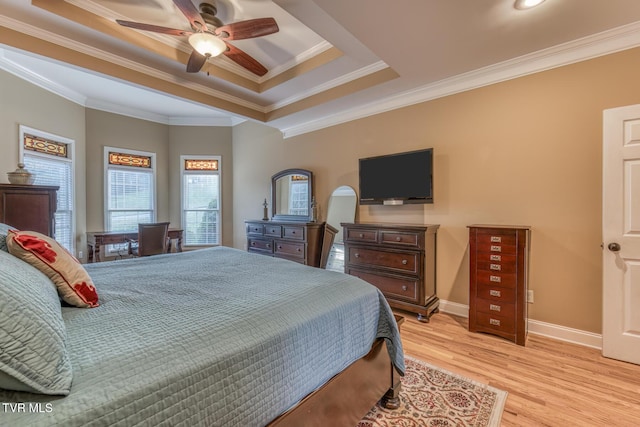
526,4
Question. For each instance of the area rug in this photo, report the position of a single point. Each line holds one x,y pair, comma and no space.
433,397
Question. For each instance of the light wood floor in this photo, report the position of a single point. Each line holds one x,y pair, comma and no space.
550,382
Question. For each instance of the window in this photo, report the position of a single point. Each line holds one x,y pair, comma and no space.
201,200
298,199
129,189
50,158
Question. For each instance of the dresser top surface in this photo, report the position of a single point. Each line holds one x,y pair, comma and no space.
389,225
518,227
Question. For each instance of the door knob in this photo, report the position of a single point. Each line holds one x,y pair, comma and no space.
614,247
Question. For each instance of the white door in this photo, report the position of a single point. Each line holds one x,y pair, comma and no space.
621,234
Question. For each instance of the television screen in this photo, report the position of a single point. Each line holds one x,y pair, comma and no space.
397,178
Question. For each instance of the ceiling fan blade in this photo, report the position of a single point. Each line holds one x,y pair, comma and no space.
243,59
196,61
154,28
189,10
248,29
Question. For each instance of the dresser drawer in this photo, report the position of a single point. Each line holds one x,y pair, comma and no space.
394,287
400,238
496,322
290,249
273,230
495,278
498,242
497,266
293,232
496,257
496,293
260,245
496,308
253,228
361,235
408,262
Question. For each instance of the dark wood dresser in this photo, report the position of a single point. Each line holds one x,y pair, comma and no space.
29,207
301,242
399,259
498,276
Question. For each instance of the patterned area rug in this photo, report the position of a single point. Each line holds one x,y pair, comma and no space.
433,397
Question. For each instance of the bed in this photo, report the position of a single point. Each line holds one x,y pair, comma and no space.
219,337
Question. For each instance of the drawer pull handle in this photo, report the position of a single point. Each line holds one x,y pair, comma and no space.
279,246
405,262
494,322
253,243
496,279
496,239
298,249
494,307
398,239
293,232
268,245
496,248
357,255
361,235
495,257
273,231
495,293
496,267
404,287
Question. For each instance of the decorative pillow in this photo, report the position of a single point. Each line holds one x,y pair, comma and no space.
4,230
74,285
32,333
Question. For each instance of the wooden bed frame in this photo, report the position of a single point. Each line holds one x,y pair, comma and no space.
348,396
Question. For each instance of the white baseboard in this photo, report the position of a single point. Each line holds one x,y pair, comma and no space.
562,333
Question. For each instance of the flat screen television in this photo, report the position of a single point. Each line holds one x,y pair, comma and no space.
396,179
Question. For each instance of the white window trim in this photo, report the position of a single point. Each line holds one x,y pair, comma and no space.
183,172
107,166
70,158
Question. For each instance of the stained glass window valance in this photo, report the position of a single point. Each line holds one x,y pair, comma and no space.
46,146
200,165
134,160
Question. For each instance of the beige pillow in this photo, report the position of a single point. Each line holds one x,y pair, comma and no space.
73,282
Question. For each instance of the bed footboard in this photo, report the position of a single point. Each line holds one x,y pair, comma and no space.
349,395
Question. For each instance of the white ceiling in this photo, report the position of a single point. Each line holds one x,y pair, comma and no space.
392,54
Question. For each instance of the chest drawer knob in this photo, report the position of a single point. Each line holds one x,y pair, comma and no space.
404,262
253,243
494,322
398,239
496,279
496,267
495,293
298,249
496,248
361,235
494,307
404,287
279,246
268,245
495,257
357,255
496,239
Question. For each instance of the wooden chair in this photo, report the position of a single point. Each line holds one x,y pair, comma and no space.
153,239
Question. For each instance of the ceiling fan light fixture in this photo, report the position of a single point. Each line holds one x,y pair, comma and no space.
207,44
526,4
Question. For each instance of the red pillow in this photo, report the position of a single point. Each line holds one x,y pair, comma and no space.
71,279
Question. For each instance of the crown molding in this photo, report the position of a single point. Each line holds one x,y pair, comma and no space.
608,42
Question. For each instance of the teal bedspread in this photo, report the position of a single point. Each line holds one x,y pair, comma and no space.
214,337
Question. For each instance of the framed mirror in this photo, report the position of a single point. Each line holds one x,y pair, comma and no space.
291,195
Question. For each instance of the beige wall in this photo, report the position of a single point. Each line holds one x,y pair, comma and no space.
22,103
526,151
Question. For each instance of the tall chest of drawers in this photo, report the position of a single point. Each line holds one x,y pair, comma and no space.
498,280
399,259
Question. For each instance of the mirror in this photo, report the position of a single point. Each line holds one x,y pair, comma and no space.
342,208
291,195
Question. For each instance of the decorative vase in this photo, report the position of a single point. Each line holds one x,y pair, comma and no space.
21,176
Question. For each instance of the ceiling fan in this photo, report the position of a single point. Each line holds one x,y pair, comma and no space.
210,36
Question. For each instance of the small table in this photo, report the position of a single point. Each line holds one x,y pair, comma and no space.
96,239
